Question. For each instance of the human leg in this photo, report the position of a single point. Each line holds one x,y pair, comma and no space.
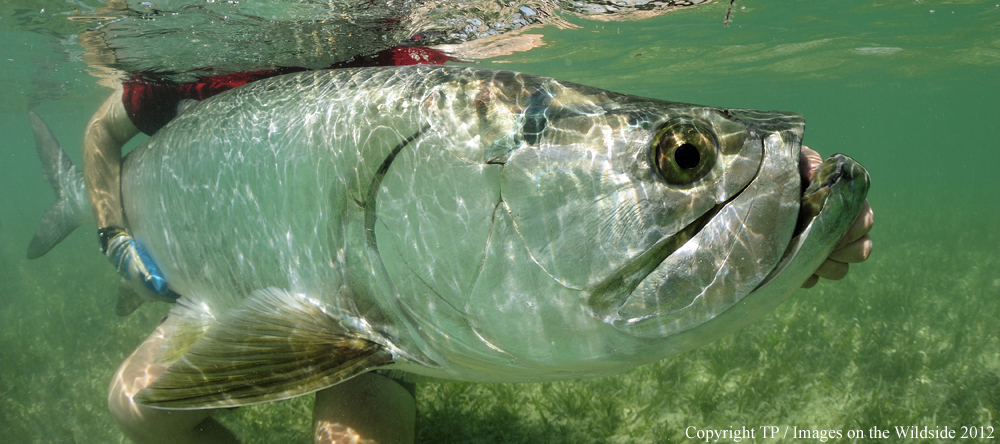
148,425
369,408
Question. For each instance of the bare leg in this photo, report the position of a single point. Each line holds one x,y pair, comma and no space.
147,425
366,409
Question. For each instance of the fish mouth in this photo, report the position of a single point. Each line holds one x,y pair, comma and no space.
786,217
831,199
816,190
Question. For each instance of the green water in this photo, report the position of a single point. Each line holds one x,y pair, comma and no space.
909,338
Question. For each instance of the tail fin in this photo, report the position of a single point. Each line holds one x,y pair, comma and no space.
71,208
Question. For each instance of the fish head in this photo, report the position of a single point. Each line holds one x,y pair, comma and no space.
667,215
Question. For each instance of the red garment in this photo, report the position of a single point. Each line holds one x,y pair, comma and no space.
151,103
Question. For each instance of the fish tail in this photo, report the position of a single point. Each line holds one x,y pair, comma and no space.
71,208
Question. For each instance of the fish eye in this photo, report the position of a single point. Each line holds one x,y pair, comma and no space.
684,151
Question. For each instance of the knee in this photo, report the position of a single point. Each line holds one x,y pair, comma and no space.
130,378
148,425
367,407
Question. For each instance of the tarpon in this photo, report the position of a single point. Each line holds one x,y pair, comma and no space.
463,224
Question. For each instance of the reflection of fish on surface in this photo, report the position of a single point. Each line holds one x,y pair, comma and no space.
465,224
182,38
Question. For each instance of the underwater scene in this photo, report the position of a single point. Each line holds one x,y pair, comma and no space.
905,348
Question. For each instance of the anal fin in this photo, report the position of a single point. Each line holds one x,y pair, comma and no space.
128,299
276,345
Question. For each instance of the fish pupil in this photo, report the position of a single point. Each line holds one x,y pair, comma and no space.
687,156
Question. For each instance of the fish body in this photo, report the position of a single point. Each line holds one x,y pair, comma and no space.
464,224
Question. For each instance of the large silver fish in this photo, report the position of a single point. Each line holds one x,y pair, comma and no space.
464,224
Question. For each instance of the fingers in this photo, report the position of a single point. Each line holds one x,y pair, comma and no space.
862,225
855,247
811,282
854,252
832,270
858,250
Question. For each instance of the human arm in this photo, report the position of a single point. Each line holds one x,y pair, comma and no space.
108,130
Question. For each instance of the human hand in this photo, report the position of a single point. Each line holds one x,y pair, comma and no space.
133,264
854,247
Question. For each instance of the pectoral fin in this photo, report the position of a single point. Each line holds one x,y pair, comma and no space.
276,345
